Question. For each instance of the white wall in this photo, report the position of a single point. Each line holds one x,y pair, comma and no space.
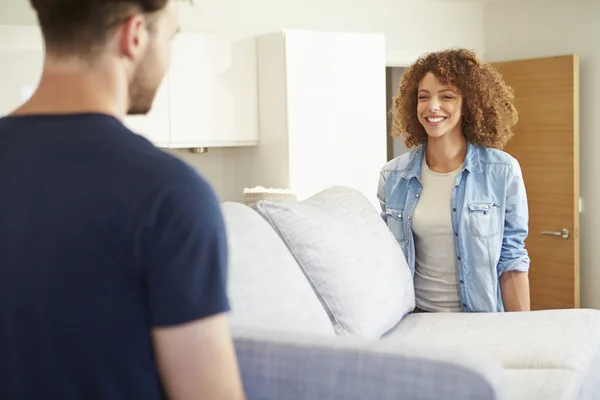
539,28
412,27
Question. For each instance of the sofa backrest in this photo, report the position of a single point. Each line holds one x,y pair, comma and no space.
267,288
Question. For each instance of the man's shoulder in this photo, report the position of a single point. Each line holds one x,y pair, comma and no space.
142,159
157,172
179,188
187,180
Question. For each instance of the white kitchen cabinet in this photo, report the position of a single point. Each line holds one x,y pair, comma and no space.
322,104
155,125
213,92
21,63
207,99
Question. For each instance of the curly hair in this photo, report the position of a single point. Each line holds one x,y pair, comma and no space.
488,113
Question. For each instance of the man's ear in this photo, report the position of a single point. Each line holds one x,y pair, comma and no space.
133,37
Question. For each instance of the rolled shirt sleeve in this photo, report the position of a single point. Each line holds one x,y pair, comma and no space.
514,256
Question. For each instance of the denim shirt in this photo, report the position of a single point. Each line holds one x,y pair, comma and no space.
489,218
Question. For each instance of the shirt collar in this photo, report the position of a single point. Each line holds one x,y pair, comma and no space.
472,161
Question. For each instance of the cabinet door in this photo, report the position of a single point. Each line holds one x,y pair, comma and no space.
213,92
154,126
21,64
335,86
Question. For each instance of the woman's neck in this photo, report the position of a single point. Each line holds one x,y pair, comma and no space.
445,154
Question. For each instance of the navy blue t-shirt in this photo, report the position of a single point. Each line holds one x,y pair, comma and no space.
102,237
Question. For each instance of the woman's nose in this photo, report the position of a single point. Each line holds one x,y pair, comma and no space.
434,105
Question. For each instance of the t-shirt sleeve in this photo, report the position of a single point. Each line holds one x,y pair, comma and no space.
184,252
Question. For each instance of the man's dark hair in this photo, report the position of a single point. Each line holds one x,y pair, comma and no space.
81,26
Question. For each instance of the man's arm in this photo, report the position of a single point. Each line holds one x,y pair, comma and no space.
513,266
197,360
183,249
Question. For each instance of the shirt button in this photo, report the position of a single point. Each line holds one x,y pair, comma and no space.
461,281
464,305
455,233
406,240
458,257
417,195
454,209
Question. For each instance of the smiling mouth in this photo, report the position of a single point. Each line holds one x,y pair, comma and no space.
435,120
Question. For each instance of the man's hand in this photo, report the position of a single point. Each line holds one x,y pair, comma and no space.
515,291
197,360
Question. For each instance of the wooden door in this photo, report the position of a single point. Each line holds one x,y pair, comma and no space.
546,144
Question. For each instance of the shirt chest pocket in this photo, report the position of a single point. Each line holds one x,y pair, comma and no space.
485,219
395,221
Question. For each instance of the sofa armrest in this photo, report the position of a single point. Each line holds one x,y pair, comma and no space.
283,366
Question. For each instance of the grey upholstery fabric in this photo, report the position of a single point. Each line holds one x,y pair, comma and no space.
350,257
267,288
292,367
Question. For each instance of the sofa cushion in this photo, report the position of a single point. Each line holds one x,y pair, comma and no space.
350,257
554,339
267,288
543,384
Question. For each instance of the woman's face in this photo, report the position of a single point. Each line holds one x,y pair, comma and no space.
439,107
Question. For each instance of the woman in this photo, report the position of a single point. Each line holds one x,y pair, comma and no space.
456,203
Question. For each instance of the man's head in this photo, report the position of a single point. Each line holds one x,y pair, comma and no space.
133,35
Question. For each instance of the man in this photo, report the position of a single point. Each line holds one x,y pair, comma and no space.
112,253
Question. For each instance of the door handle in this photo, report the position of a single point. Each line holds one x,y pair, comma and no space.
564,233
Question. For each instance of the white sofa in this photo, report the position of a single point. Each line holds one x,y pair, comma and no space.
322,302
